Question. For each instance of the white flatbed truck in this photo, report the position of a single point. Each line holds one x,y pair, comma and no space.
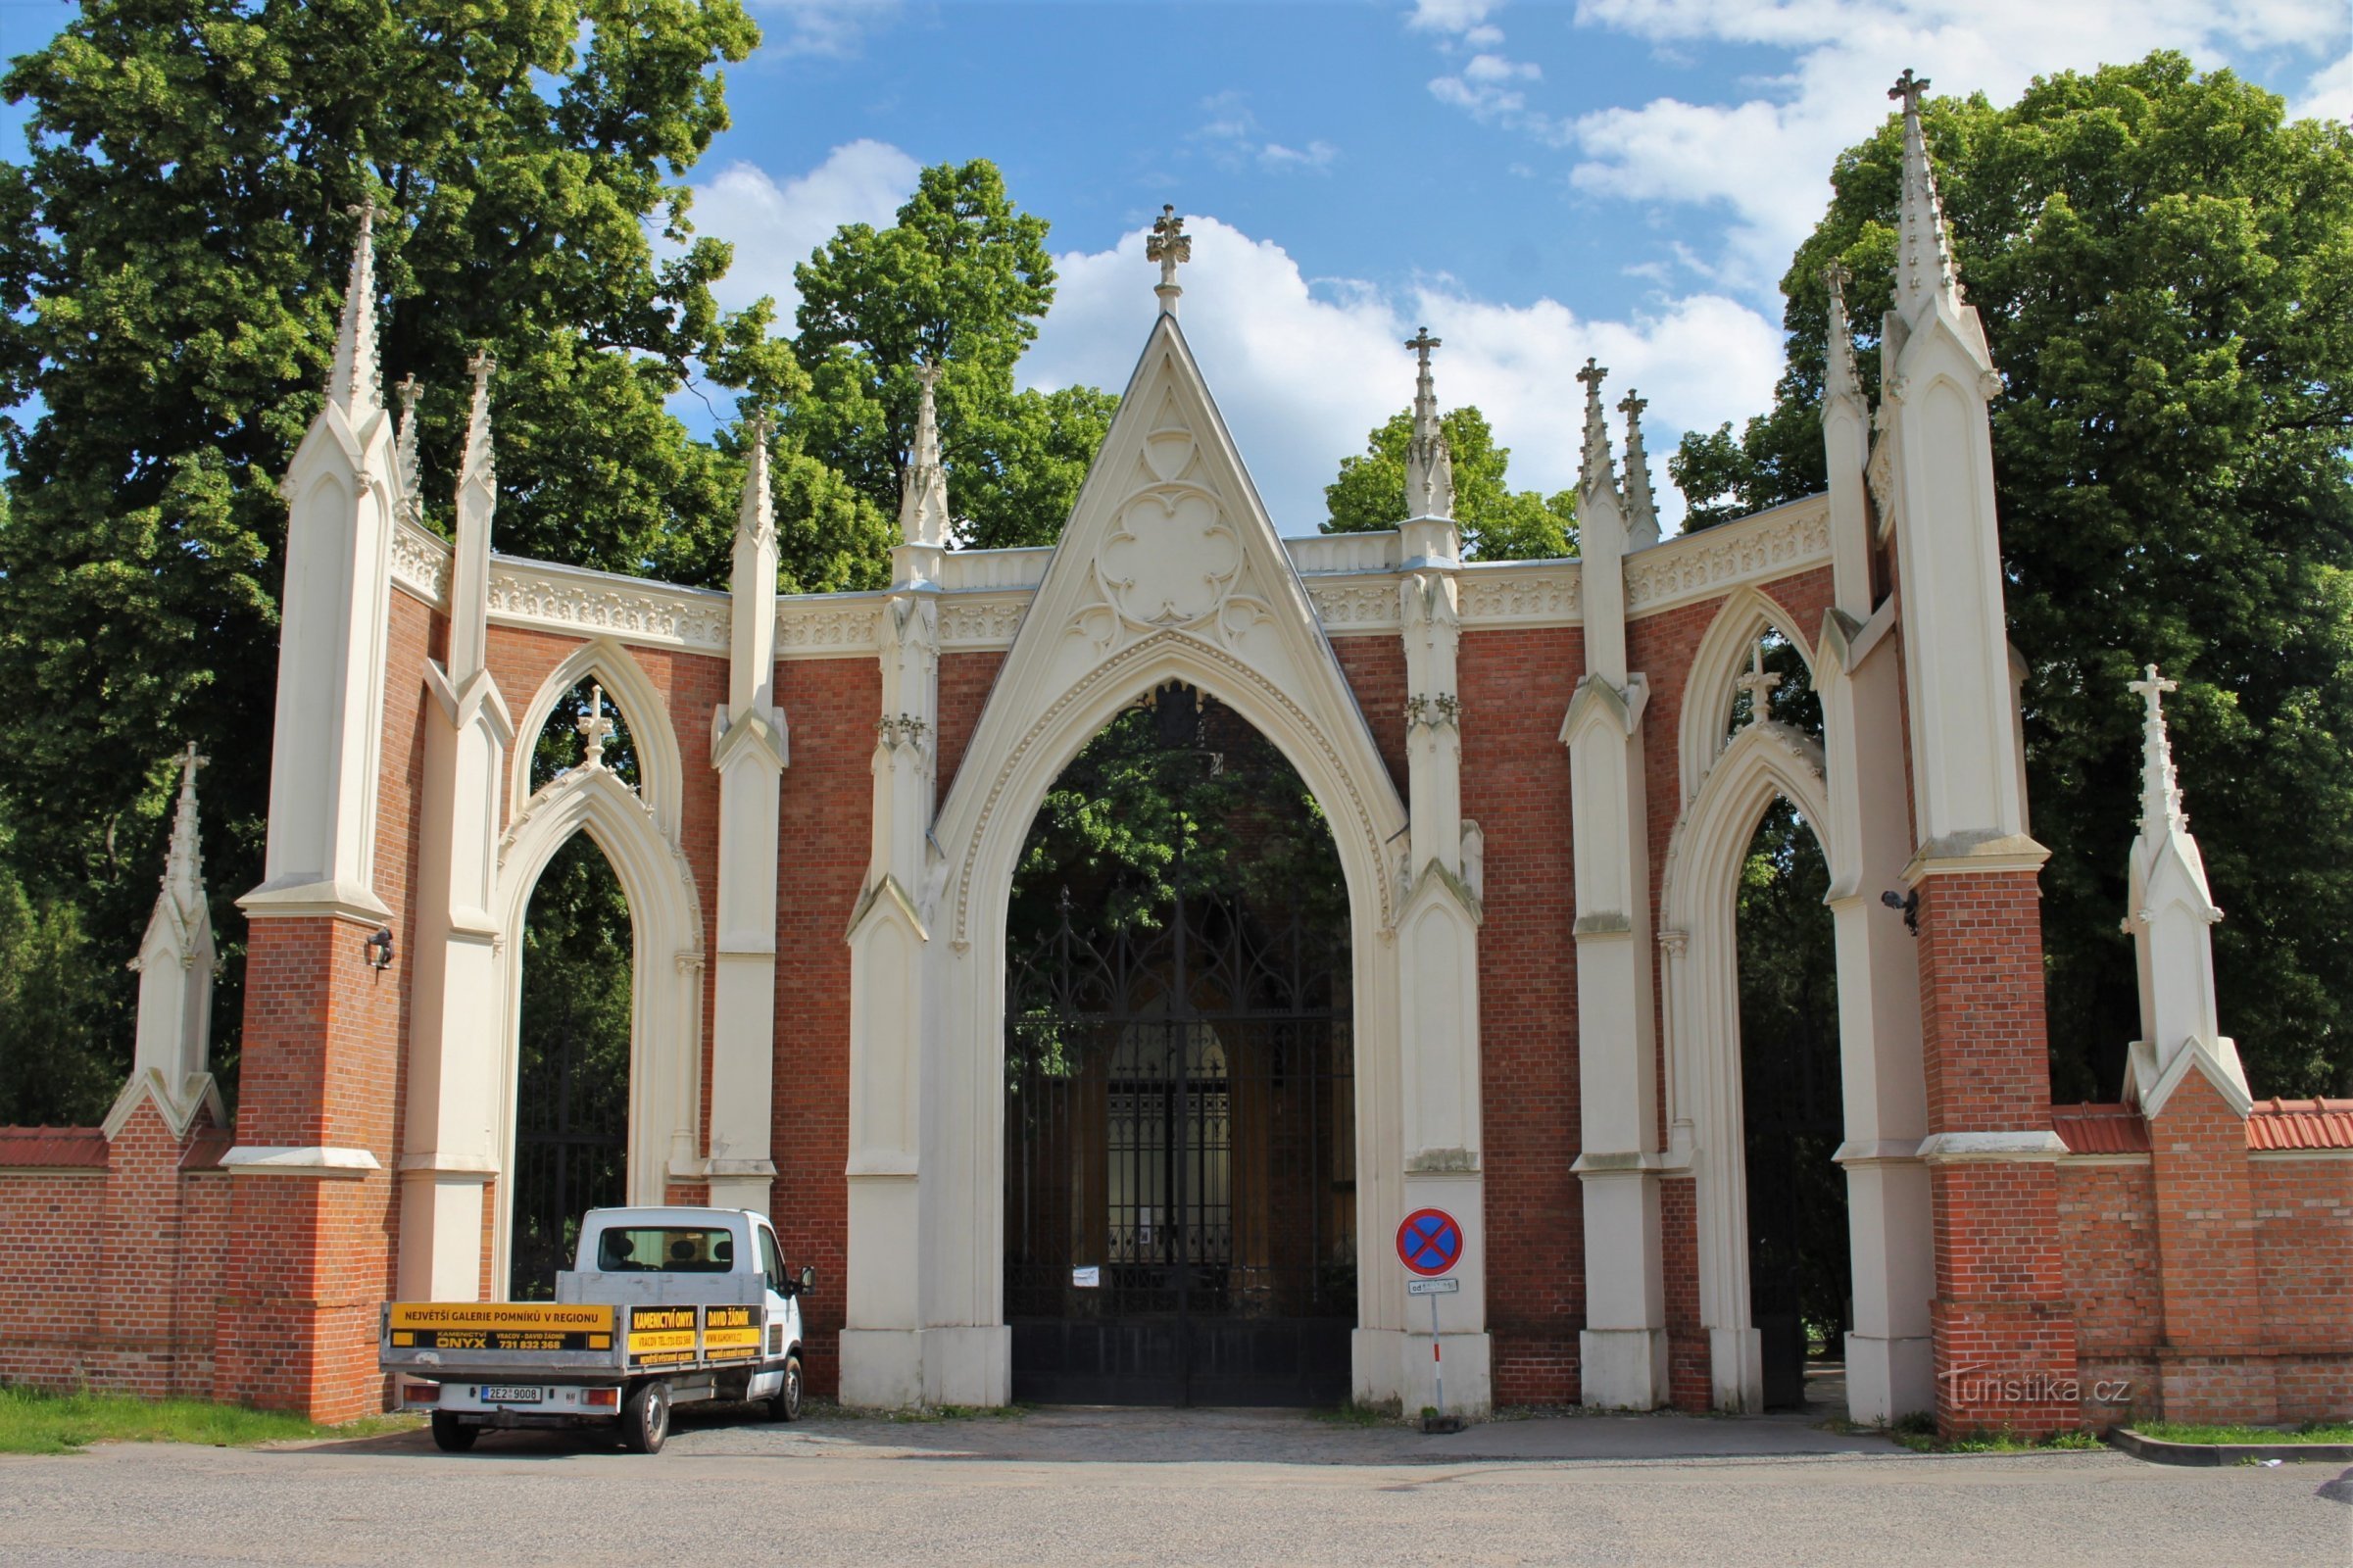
664,1306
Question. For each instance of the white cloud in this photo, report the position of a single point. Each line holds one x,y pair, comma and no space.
1232,137
1315,158
1764,157
831,28
774,228
1456,17
2329,95
1303,370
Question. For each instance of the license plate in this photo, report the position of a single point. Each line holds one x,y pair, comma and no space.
510,1393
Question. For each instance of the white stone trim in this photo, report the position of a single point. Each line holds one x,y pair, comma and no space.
1722,656
421,564
574,601
1788,539
1697,895
264,1159
2271,1155
1965,1149
2103,1161
666,963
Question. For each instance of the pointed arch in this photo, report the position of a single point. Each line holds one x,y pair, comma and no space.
660,775
1698,949
665,1003
1717,662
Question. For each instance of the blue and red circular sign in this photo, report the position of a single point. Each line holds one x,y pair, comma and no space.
1430,1243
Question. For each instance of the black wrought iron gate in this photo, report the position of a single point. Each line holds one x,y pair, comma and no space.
1180,1205
572,1154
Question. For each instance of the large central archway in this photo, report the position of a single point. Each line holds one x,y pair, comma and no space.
1180,1154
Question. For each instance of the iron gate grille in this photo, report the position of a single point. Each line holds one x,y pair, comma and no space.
572,1140
1181,1161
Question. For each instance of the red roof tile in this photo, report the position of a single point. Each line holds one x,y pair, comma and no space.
2299,1124
52,1147
2101,1129
205,1149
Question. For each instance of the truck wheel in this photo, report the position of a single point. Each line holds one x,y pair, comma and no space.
645,1418
451,1434
785,1404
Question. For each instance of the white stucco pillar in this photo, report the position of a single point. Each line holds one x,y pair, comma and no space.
750,747
1623,1348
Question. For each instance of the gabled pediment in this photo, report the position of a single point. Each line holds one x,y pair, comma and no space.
1169,569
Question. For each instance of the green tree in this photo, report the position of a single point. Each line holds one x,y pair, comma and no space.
1498,522
2164,263
962,280
172,258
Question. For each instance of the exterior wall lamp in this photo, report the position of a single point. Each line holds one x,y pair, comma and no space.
378,948
1909,904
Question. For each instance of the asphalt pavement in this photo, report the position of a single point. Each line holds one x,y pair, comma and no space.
1088,1487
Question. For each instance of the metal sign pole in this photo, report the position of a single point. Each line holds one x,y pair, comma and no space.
1437,1361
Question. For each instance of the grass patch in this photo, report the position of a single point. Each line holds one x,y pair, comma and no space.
2184,1432
35,1422
1918,1433
1352,1414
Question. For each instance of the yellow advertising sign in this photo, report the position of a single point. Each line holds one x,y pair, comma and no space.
662,1336
499,1326
731,1333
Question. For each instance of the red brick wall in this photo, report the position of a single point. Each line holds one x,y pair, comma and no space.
1981,1003
1515,686
823,844
2304,1264
2107,1218
1691,1382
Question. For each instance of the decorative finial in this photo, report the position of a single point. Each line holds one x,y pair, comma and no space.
1429,464
1642,523
1924,271
594,728
1593,470
2160,791
1839,379
413,501
356,382
183,860
480,466
924,487
756,515
1758,683
1168,244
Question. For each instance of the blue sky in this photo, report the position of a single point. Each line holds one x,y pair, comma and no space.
1535,181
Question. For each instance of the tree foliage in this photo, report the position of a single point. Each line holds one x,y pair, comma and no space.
1498,522
2164,263
171,256
961,280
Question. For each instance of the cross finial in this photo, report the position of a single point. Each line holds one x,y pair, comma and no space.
594,728
1758,683
928,374
1422,343
1633,405
1168,244
1910,89
1592,375
2160,790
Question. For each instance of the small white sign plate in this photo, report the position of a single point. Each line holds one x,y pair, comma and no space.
1444,1287
1089,1278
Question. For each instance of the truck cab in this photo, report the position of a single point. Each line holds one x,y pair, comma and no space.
663,1307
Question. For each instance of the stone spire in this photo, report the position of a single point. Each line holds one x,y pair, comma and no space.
923,486
469,562
752,586
755,513
1641,519
1429,464
356,383
184,862
2160,790
1923,269
404,452
1838,377
1594,472
1168,244
2169,915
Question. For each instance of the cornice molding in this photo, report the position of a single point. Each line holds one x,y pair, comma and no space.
1754,550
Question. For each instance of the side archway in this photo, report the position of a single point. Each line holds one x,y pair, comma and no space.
1717,665
1700,949
665,1019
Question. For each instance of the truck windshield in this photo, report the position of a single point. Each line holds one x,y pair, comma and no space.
666,1249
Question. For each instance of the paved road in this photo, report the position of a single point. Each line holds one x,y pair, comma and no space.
1088,1487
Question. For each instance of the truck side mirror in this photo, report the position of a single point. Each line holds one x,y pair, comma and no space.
809,1279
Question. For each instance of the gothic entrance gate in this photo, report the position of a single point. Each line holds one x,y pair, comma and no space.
1180,1163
